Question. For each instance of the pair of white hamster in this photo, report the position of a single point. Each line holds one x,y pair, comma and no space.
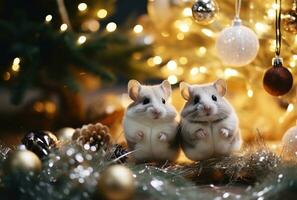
208,125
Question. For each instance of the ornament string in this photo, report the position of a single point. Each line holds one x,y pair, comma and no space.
278,33
237,9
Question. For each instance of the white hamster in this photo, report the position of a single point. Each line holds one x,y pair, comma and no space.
209,124
150,123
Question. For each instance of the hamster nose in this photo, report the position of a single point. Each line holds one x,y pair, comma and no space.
156,113
207,109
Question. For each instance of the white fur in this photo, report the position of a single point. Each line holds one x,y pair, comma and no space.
205,136
151,139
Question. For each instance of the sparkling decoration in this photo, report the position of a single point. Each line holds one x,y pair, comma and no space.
205,11
289,19
278,80
93,136
65,134
117,183
289,142
22,162
40,142
237,45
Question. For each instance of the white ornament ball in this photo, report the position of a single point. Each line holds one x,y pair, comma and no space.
237,45
289,142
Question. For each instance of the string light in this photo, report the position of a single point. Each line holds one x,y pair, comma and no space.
250,93
82,6
171,65
157,60
202,69
102,13
172,79
150,62
82,39
138,28
180,36
16,64
183,60
63,27
194,71
187,12
207,32
111,27
230,72
201,51
48,18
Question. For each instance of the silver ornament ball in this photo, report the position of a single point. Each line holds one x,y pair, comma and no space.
237,45
205,11
289,143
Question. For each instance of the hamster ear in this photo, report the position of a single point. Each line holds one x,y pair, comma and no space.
221,87
133,89
185,90
166,87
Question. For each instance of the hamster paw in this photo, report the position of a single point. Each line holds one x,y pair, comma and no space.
225,133
139,136
200,134
163,137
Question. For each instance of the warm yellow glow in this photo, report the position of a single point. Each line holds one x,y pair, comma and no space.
150,62
82,39
50,107
194,71
157,60
138,28
148,40
290,107
6,76
172,79
271,13
15,68
165,34
16,61
48,18
250,93
180,36
275,6
230,72
63,27
102,13
261,27
294,57
183,60
171,65
201,51
38,106
207,32
82,6
292,63
111,27
202,69
179,71
187,12
183,27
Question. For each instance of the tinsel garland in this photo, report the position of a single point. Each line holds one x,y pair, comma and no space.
72,172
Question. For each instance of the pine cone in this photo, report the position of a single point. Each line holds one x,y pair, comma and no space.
118,151
93,135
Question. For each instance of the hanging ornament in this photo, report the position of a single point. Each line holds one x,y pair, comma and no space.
93,135
40,142
65,134
289,19
289,142
117,183
22,162
237,45
277,80
205,11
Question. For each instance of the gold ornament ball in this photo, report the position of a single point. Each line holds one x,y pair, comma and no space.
205,11
22,162
116,183
65,134
289,142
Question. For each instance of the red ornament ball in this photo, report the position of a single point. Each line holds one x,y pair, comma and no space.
278,80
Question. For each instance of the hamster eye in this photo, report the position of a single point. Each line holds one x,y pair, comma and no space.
146,101
214,98
196,99
163,101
